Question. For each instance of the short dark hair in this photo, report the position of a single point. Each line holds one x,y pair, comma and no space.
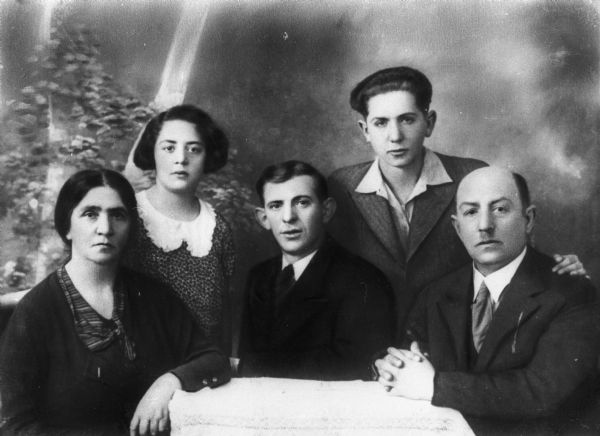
392,79
213,138
77,187
523,190
284,171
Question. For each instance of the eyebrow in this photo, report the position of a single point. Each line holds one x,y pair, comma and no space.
110,209
476,203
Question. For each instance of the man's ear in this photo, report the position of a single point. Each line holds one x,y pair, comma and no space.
431,118
455,224
530,213
329,206
261,218
364,128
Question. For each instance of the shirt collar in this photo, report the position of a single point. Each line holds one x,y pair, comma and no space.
300,265
433,173
498,280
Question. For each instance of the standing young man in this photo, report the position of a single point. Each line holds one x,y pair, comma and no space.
396,210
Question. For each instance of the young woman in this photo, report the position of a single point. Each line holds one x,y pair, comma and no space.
95,348
183,241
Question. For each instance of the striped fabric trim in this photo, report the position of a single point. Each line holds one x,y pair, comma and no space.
95,331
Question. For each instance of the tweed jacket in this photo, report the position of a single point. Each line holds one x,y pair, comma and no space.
364,225
537,359
328,327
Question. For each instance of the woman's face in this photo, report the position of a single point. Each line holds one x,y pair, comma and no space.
99,227
179,155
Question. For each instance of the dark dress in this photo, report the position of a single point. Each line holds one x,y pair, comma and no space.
202,282
51,383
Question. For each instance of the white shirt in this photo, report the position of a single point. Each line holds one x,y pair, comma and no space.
432,173
498,280
300,265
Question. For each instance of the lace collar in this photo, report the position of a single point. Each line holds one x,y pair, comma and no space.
169,234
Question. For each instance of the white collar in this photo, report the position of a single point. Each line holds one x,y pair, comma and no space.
498,280
433,173
169,234
300,265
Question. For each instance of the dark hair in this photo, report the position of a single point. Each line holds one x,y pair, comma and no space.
213,138
284,171
392,79
77,187
523,190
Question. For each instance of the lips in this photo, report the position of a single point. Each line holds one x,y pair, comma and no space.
104,244
488,243
180,173
291,233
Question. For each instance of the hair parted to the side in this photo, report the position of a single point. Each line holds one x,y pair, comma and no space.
284,171
77,187
388,80
213,138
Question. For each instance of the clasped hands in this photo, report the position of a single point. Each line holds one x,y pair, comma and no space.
407,373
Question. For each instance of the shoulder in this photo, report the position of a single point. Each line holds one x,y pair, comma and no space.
574,290
352,267
42,295
351,175
265,267
458,167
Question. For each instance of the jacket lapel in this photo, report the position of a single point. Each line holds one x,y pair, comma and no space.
454,308
306,296
429,208
517,305
377,214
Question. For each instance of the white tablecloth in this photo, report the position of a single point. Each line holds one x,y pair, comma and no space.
269,406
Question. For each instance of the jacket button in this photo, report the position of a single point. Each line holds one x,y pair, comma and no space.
205,382
214,380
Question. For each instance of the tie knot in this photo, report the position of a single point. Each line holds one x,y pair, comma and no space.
483,292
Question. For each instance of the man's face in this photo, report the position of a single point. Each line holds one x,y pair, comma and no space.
490,219
396,128
295,215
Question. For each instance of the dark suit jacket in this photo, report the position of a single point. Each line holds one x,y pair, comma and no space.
333,320
539,354
363,224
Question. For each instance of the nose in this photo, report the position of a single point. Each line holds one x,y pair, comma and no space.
288,213
395,131
104,225
181,156
486,222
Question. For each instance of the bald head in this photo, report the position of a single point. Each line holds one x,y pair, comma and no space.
493,216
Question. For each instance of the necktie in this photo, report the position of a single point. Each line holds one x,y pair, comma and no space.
283,283
482,311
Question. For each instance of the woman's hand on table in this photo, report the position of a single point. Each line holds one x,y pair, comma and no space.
152,413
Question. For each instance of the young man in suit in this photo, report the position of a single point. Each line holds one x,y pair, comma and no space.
503,340
315,311
395,211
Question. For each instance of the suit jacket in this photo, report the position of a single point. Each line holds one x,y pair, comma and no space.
538,356
329,325
363,223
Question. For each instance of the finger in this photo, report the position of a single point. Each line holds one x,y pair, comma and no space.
385,383
143,427
398,363
153,426
408,355
163,424
135,421
386,375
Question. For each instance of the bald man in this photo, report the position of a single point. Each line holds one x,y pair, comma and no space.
503,340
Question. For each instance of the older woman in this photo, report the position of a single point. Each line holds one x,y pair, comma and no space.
96,348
